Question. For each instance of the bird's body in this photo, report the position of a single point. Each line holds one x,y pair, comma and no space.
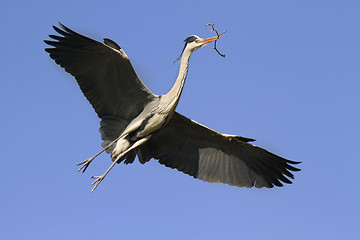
136,122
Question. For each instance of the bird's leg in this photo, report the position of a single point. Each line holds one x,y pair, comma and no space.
135,145
87,162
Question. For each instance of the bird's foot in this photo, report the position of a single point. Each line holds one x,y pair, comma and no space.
85,164
97,181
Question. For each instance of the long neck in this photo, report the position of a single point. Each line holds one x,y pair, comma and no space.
173,95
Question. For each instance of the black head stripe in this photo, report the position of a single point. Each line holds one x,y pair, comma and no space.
187,41
190,39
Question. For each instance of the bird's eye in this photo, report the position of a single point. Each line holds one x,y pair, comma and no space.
196,41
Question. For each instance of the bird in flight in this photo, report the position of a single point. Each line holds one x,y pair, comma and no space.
136,122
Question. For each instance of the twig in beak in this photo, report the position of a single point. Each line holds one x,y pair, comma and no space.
214,30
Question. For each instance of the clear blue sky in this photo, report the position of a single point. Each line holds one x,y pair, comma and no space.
290,79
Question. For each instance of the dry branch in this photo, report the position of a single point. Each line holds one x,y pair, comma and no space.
214,30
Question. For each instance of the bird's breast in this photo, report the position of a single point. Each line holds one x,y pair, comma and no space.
152,123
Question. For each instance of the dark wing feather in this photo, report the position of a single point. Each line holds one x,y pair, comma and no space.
104,73
214,157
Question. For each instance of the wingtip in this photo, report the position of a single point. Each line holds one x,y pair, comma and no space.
58,30
292,168
48,50
294,162
111,43
49,42
61,25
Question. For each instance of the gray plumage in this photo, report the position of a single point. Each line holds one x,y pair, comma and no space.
136,122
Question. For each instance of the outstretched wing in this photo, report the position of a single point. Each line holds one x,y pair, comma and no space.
103,71
214,157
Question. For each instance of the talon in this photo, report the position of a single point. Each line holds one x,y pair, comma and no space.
81,163
94,182
85,164
95,177
97,181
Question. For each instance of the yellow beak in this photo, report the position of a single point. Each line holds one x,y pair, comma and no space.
209,40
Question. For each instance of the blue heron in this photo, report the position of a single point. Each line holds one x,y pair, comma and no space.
136,122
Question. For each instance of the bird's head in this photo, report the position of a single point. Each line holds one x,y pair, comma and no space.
194,42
